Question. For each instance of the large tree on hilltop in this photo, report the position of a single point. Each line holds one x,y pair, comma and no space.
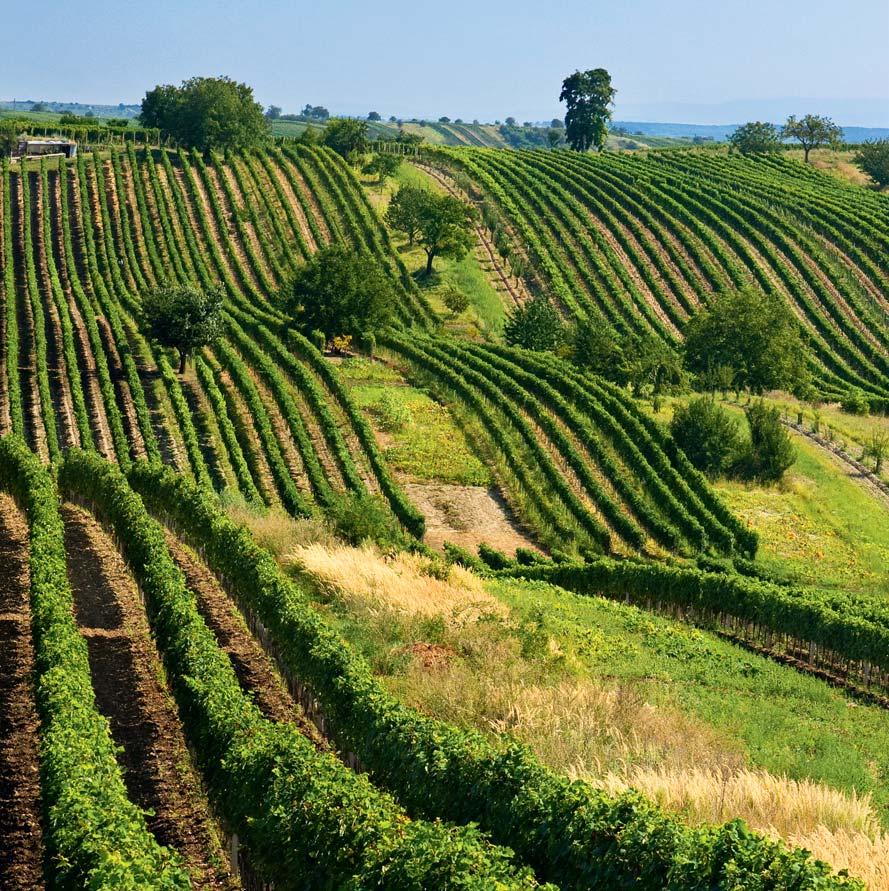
206,113
589,96
811,132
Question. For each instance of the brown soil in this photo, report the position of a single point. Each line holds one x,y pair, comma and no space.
21,852
252,665
466,516
430,656
126,676
310,198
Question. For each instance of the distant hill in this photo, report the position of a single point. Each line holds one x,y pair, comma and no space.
723,131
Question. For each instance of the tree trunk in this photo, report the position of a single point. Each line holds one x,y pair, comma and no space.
430,256
183,355
806,150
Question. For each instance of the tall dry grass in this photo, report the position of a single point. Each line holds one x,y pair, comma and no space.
608,734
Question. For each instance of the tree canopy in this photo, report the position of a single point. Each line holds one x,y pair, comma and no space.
206,113
374,116
340,292
534,325
183,317
346,136
440,224
754,335
8,137
811,132
707,433
382,165
873,159
588,96
756,138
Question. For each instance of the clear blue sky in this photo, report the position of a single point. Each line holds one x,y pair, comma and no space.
466,58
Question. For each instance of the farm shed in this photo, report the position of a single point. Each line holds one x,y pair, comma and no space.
32,148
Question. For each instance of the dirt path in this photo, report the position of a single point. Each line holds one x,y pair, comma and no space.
854,469
21,850
126,675
466,516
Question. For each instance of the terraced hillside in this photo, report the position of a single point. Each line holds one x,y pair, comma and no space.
642,240
264,416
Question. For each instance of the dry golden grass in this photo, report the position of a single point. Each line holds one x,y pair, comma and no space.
406,583
839,828
484,677
279,532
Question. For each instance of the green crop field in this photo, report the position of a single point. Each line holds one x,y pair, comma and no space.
360,710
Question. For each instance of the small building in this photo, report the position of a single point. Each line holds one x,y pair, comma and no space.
37,148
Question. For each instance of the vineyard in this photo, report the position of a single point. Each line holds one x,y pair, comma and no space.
194,720
641,240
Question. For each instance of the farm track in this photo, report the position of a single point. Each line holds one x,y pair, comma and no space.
21,851
126,676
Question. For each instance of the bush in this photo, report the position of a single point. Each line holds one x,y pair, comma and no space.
771,450
358,518
873,159
319,340
393,414
368,343
535,325
855,403
707,434
456,301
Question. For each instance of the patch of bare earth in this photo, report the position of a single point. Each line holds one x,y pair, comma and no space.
126,674
21,848
467,516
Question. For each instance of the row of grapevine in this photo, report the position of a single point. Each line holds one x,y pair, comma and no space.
643,240
571,833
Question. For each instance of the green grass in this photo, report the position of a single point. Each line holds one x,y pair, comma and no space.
486,312
785,721
420,439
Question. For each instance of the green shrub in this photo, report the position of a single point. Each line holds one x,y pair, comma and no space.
492,557
771,451
392,413
368,343
361,517
706,433
855,403
319,340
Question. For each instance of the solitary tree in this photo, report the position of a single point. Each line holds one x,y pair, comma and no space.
752,333
346,136
554,136
374,116
206,113
873,158
456,301
8,138
557,124
183,317
811,132
383,165
589,96
534,325
771,451
510,122
273,112
877,448
404,210
340,292
440,224
756,138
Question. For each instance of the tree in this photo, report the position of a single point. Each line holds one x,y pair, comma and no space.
444,120
392,119
273,112
756,138
183,317
403,212
707,434
383,165
589,96
510,122
9,135
811,132
754,334
557,124
873,159
599,348
39,106
206,113
340,292
771,451
374,116
441,224
346,136
651,365
534,325
315,112
554,137
456,301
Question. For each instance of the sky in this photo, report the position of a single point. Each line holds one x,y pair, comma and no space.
691,61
